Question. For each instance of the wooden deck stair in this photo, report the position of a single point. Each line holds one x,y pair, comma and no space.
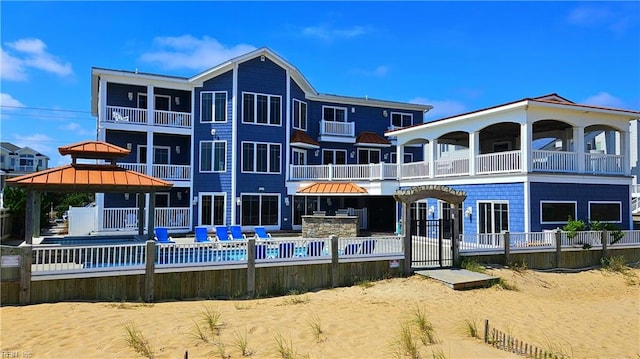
459,279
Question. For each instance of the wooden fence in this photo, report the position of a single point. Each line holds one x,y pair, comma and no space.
509,343
6,224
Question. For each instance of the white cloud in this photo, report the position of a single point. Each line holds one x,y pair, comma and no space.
188,52
441,108
588,15
8,102
77,129
38,141
326,32
604,99
31,53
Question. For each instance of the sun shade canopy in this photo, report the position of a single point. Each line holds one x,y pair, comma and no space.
332,188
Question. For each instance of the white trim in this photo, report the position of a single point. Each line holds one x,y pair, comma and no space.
234,137
261,194
619,203
213,195
346,113
213,143
334,155
493,218
213,108
575,211
304,153
255,157
294,114
155,98
368,150
402,116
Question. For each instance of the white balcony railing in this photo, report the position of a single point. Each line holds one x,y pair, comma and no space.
126,115
172,119
126,219
172,172
554,161
603,164
334,128
500,162
330,172
446,167
137,167
415,170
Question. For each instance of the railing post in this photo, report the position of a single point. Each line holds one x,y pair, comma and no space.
149,272
25,274
507,247
558,247
330,172
406,232
604,238
486,331
251,267
334,260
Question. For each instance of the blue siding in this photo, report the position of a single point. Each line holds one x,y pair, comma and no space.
582,194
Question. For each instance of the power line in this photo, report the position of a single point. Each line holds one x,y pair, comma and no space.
43,109
10,114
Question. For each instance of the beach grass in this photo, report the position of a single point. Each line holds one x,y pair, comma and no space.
137,341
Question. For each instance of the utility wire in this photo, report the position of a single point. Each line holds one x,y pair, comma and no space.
44,109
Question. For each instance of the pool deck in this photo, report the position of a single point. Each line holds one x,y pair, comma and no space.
459,279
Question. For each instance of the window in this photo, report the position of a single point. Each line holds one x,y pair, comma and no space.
299,115
501,146
162,102
260,157
261,109
260,209
368,156
142,100
401,119
213,107
336,114
161,154
299,157
408,157
304,205
336,157
605,211
26,161
493,217
557,212
213,155
212,209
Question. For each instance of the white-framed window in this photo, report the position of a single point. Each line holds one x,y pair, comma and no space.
336,157
304,205
399,119
260,209
162,102
299,115
368,155
142,100
162,200
557,212
213,106
298,157
213,156
26,160
259,157
501,146
161,154
408,157
261,109
493,216
212,209
336,114
603,211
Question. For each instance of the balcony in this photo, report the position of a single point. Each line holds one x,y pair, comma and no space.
459,165
335,131
162,171
140,116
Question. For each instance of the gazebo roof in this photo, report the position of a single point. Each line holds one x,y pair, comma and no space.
93,150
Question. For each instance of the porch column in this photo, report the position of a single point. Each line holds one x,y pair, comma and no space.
151,106
406,231
399,160
474,150
30,215
99,216
151,218
102,109
578,148
433,146
149,159
625,146
526,137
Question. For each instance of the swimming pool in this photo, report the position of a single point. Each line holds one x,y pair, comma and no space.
90,240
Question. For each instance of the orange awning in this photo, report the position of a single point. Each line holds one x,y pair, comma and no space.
332,188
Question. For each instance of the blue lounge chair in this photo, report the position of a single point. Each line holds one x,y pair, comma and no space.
162,235
315,248
222,233
201,235
285,250
236,233
261,233
368,245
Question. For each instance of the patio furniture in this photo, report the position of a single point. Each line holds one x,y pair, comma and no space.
261,233
162,235
236,233
201,235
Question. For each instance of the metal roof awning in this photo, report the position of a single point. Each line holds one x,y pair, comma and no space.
328,188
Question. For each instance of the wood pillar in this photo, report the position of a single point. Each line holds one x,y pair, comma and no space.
406,231
251,267
25,274
455,244
149,271
334,261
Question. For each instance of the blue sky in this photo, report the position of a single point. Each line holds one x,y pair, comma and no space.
456,56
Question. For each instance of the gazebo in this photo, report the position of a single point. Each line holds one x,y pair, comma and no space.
105,177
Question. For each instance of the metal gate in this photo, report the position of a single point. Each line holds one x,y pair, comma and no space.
431,243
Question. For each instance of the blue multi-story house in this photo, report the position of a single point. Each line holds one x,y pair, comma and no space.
250,142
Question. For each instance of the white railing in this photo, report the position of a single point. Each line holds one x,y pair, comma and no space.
126,115
635,190
554,161
113,258
137,167
628,238
172,172
581,238
200,254
335,128
172,119
304,172
480,242
603,164
360,248
457,166
415,170
500,162
635,205
532,240
366,172
126,219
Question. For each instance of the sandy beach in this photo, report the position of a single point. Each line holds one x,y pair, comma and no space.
590,314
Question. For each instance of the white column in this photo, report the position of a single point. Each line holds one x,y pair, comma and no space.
474,150
525,146
102,109
151,106
578,140
625,146
433,146
399,160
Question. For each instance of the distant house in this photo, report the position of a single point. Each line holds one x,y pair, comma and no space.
17,161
